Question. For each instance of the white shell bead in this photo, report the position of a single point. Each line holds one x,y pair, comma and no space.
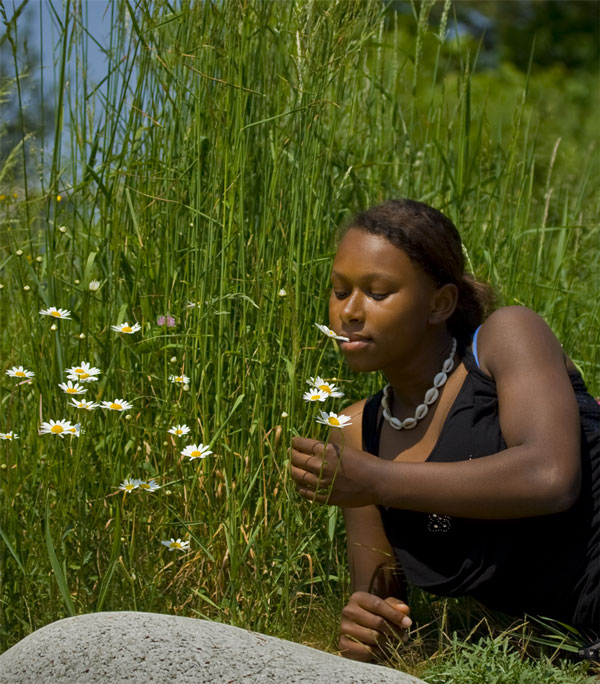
440,379
431,395
448,365
421,412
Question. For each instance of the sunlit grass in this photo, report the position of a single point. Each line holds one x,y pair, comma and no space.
186,219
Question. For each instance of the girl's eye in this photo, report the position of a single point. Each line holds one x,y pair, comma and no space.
377,297
340,295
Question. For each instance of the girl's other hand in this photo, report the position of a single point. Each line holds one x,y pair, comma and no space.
369,622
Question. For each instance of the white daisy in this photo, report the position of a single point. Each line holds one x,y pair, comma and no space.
83,372
182,379
58,427
70,388
83,378
83,404
129,484
179,430
150,486
315,394
331,333
93,285
333,419
8,435
325,386
55,313
126,328
173,544
194,451
117,405
75,429
19,372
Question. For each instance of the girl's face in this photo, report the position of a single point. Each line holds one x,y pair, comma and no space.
379,299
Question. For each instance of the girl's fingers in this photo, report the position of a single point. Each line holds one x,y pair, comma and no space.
305,461
309,479
354,650
391,610
377,625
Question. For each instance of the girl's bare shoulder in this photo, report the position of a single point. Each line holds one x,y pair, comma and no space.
514,334
352,434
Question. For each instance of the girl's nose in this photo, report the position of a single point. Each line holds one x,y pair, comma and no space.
352,308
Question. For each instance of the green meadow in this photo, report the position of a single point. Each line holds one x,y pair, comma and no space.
196,190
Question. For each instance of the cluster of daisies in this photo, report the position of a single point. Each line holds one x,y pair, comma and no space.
77,377
321,390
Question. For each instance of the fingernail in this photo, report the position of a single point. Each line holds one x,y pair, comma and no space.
406,622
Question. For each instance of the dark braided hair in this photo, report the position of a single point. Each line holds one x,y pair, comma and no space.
431,241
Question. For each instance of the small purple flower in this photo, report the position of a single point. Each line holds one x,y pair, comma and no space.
167,320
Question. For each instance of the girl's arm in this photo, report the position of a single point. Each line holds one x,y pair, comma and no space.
374,612
539,473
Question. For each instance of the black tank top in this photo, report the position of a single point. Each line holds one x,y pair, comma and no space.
545,565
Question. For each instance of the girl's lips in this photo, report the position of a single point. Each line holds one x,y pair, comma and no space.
355,345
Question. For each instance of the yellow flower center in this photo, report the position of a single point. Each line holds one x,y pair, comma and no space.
325,388
56,314
7,436
129,487
57,429
20,374
315,397
116,407
82,374
178,432
126,328
144,485
176,545
179,378
334,421
71,390
196,454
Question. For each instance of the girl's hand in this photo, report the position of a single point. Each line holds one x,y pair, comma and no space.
333,474
369,622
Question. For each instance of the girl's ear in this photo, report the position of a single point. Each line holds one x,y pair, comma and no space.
443,304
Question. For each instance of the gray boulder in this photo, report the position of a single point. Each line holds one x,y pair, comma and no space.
146,647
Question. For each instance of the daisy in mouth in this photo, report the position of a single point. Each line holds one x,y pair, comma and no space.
328,332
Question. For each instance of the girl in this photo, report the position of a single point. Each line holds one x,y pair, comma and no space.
476,470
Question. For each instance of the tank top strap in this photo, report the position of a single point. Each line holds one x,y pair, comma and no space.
370,429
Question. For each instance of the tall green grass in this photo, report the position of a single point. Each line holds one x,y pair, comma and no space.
225,145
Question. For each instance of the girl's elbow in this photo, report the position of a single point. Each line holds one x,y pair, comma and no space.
562,489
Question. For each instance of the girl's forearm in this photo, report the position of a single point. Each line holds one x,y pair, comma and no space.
511,484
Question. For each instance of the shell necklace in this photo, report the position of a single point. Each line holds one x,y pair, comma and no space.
430,396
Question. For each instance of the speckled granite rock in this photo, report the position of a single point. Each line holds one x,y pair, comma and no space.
146,647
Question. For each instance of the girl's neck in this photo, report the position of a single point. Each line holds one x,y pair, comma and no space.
411,380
